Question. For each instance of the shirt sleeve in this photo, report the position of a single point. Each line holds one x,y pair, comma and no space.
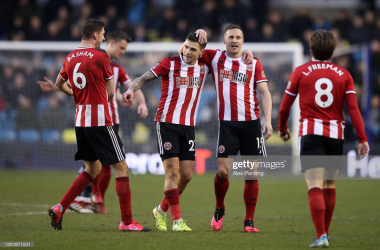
292,88
162,68
63,73
107,73
350,89
123,77
207,57
259,73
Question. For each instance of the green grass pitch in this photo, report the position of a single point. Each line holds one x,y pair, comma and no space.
282,215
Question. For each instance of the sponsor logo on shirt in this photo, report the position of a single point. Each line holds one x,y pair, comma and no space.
188,82
236,77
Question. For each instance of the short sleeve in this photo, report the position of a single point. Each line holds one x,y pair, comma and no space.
207,57
63,73
292,88
123,77
107,73
162,68
350,89
259,72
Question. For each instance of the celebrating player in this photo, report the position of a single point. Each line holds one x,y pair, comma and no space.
239,118
322,87
92,86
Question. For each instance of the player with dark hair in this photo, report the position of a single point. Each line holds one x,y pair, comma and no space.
240,129
117,43
91,79
322,87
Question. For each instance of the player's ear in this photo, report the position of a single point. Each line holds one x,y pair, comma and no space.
95,35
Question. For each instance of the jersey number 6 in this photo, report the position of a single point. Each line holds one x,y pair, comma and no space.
321,92
79,75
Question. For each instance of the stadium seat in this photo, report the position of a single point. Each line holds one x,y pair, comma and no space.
29,135
7,135
68,136
51,136
42,104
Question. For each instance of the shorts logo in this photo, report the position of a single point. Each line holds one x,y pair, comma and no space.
167,145
221,149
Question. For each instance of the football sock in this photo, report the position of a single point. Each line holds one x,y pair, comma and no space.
87,191
75,189
164,205
219,213
329,197
105,179
172,196
95,184
124,193
221,187
251,193
317,209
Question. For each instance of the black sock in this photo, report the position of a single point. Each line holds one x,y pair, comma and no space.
219,213
248,223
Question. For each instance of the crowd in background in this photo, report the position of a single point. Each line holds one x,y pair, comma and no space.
164,20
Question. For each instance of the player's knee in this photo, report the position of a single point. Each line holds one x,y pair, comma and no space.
186,178
223,173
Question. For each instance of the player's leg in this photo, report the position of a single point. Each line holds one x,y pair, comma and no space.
251,144
227,145
82,203
329,196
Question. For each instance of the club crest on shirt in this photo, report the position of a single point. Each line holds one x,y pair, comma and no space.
167,145
232,76
221,149
249,67
202,69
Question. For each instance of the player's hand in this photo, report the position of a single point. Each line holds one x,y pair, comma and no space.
267,127
363,149
285,136
247,56
128,96
47,85
125,104
202,36
142,110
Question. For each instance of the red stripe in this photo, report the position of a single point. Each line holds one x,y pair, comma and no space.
326,128
220,86
310,126
112,107
189,93
301,128
340,130
192,117
83,116
173,101
164,94
94,115
233,93
257,111
247,92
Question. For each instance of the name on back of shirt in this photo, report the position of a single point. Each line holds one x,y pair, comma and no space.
188,82
323,66
233,76
80,53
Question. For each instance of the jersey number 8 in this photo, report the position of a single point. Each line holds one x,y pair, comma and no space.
321,92
79,75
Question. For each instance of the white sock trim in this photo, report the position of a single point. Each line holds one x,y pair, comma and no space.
159,209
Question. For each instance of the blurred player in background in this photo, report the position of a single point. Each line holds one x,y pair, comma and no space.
236,84
322,88
91,79
117,43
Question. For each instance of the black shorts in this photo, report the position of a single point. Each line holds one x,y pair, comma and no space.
317,145
175,140
245,136
99,143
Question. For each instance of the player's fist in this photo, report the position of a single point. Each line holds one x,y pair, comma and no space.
267,127
363,149
285,136
142,110
128,96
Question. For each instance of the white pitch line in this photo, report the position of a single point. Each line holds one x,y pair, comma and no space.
27,213
24,205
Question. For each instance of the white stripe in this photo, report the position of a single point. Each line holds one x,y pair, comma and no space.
160,149
79,115
253,91
226,91
87,116
115,143
240,93
263,145
62,77
116,77
126,82
181,95
170,91
200,94
333,129
217,144
304,127
216,77
101,116
350,92
289,93
342,124
154,72
318,126
261,81
194,91
299,151
109,78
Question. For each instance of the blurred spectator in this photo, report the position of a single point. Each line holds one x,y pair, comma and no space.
18,26
343,24
375,117
375,57
268,33
35,32
279,26
54,117
181,33
75,33
359,33
369,21
26,115
140,34
168,26
111,14
227,12
305,41
300,23
321,23
252,32
206,16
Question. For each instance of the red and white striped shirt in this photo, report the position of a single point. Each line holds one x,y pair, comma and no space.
235,84
181,88
121,78
88,69
321,86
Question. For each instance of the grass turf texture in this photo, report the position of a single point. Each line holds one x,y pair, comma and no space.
282,215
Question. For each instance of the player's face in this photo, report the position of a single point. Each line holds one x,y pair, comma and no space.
233,39
191,52
99,38
118,48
